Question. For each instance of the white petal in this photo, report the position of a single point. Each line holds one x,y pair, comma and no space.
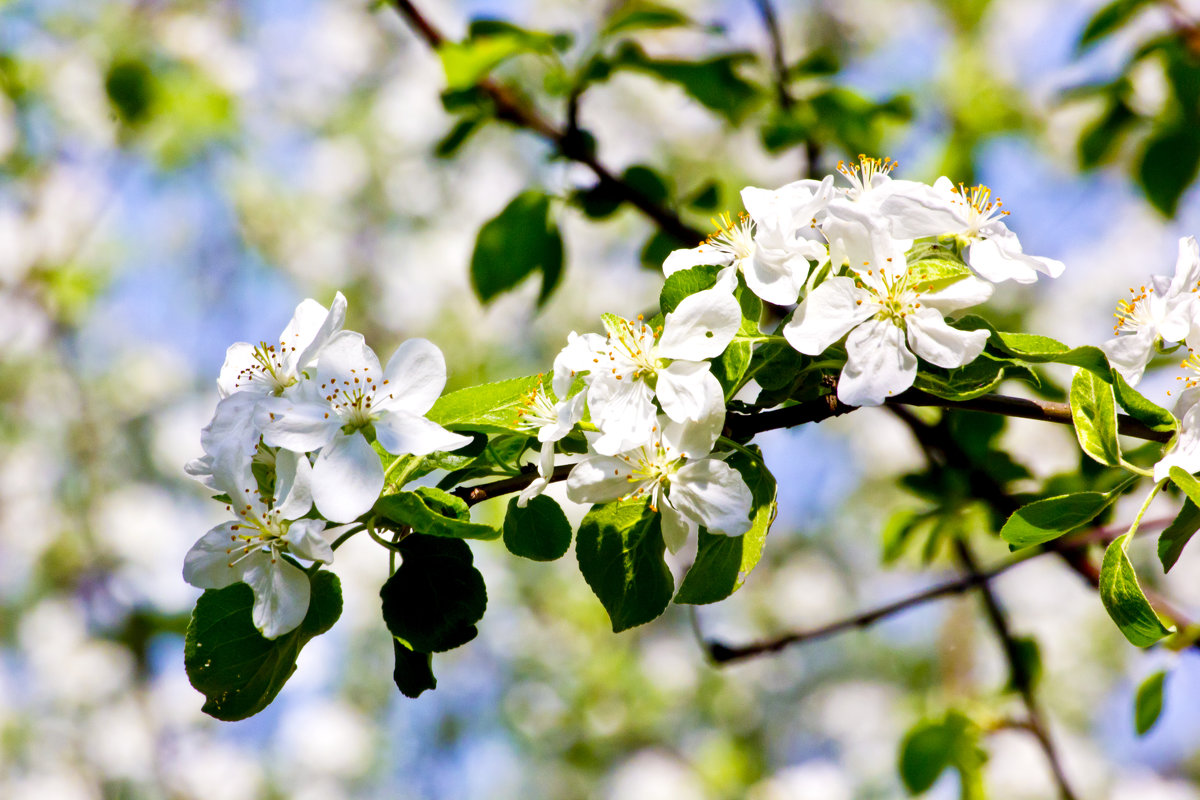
694,439
688,390
575,357
239,356
347,478
1186,453
207,564
701,326
402,432
1130,354
567,414
305,540
702,256
933,340
623,411
327,323
281,595
774,276
1187,267
293,484
301,426
599,479
858,237
344,358
878,364
713,493
416,375
999,258
828,314
923,211
676,528
539,484
963,293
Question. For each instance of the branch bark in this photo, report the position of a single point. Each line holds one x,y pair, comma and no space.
510,108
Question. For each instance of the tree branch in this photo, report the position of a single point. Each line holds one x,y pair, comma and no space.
511,109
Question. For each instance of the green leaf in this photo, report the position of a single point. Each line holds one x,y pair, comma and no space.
1094,412
228,661
1108,19
1123,598
1169,165
1027,669
1148,705
620,551
1149,414
540,531
683,283
713,82
449,145
413,673
434,599
1186,483
645,180
642,15
432,512
1176,536
723,562
468,62
1045,520
973,380
932,746
938,270
489,407
521,239
1099,140
130,87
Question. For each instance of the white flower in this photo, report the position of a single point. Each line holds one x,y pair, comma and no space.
771,246
976,220
889,317
269,369
1186,453
673,469
551,421
1163,310
350,393
636,363
250,548
232,430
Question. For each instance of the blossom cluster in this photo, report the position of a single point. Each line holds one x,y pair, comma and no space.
291,432
1159,318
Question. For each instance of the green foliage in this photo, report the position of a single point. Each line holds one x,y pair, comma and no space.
434,599
683,283
1094,413
932,746
1148,705
413,673
714,82
129,84
1124,600
540,531
489,45
488,407
620,551
1109,19
972,380
238,671
520,240
432,512
1176,535
1046,520
724,562
640,15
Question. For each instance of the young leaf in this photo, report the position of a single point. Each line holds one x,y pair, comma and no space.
432,512
434,599
642,15
1108,19
489,407
1176,536
933,745
237,670
1186,482
1148,704
1123,598
1169,165
679,285
620,551
414,671
540,531
1044,520
723,562
1150,414
521,239
713,82
1094,412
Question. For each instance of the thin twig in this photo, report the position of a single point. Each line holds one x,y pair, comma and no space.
568,143
778,63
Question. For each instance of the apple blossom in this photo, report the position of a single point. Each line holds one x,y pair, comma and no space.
250,548
349,395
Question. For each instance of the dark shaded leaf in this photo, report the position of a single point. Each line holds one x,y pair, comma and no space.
434,599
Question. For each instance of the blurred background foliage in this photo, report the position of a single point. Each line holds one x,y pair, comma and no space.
176,175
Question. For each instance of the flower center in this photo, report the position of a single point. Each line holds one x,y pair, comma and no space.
1133,313
863,173
352,398
734,238
651,469
267,369
537,411
1191,364
894,294
255,532
631,348
981,207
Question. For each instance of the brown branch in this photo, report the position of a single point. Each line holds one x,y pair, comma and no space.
745,425
778,64
567,142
